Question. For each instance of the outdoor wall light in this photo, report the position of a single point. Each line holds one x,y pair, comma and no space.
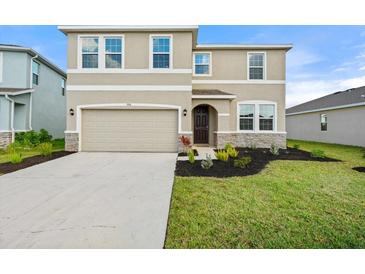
185,112
72,112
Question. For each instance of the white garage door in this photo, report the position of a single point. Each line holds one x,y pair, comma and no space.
152,130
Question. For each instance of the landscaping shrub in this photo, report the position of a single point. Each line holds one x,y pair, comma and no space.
207,163
232,152
274,149
44,137
16,158
243,162
296,146
32,138
45,149
13,148
318,153
191,156
228,146
252,146
222,155
185,142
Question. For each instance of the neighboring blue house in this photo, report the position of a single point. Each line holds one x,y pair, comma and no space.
32,94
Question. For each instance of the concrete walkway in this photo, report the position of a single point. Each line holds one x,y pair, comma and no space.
88,200
202,154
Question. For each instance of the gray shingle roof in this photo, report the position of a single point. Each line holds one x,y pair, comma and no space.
340,98
209,92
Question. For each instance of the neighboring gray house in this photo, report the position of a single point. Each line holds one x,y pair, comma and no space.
336,118
32,94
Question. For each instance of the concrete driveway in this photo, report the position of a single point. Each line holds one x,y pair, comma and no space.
88,200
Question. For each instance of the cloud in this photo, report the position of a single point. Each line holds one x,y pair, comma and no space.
303,91
340,69
362,68
299,58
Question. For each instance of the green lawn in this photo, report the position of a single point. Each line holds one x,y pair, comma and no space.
290,204
58,145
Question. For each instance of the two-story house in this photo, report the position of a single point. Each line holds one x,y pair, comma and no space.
32,94
139,88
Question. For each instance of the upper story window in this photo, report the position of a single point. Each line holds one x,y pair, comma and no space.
256,65
323,122
161,52
63,86
266,117
90,52
256,116
35,72
113,52
202,63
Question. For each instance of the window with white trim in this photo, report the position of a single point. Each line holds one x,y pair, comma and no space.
256,66
90,52
266,117
35,72
323,122
246,118
256,116
113,52
161,52
63,86
202,63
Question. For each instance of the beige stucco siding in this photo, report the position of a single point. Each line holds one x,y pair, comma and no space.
129,79
345,126
137,49
176,98
273,93
232,64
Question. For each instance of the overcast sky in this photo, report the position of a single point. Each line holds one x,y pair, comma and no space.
324,59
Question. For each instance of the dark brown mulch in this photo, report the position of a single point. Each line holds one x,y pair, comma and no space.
260,158
185,154
359,168
31,161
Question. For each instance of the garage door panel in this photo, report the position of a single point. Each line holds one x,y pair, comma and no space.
129,130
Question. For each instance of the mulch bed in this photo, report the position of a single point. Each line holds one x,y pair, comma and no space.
31,161
185,154
260,158
359,168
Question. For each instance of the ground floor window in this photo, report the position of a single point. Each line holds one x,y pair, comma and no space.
323,122
253,116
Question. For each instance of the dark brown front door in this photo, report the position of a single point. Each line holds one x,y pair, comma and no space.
201,125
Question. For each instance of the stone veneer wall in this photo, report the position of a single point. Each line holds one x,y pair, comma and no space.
5,139
262,140
71,141
180,146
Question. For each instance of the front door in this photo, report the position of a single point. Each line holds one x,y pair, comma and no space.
201,125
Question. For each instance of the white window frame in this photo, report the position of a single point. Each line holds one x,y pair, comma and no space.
256,125
63,86
239,118
320,121
151,51
101,52
115,36
264,68
210,63
1,66
39,70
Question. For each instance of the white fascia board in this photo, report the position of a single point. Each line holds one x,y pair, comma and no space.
213,96
127,88
328,108
243,46
66,29
18,92
241,82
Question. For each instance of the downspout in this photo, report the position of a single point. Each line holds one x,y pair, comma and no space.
11,117
31,94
